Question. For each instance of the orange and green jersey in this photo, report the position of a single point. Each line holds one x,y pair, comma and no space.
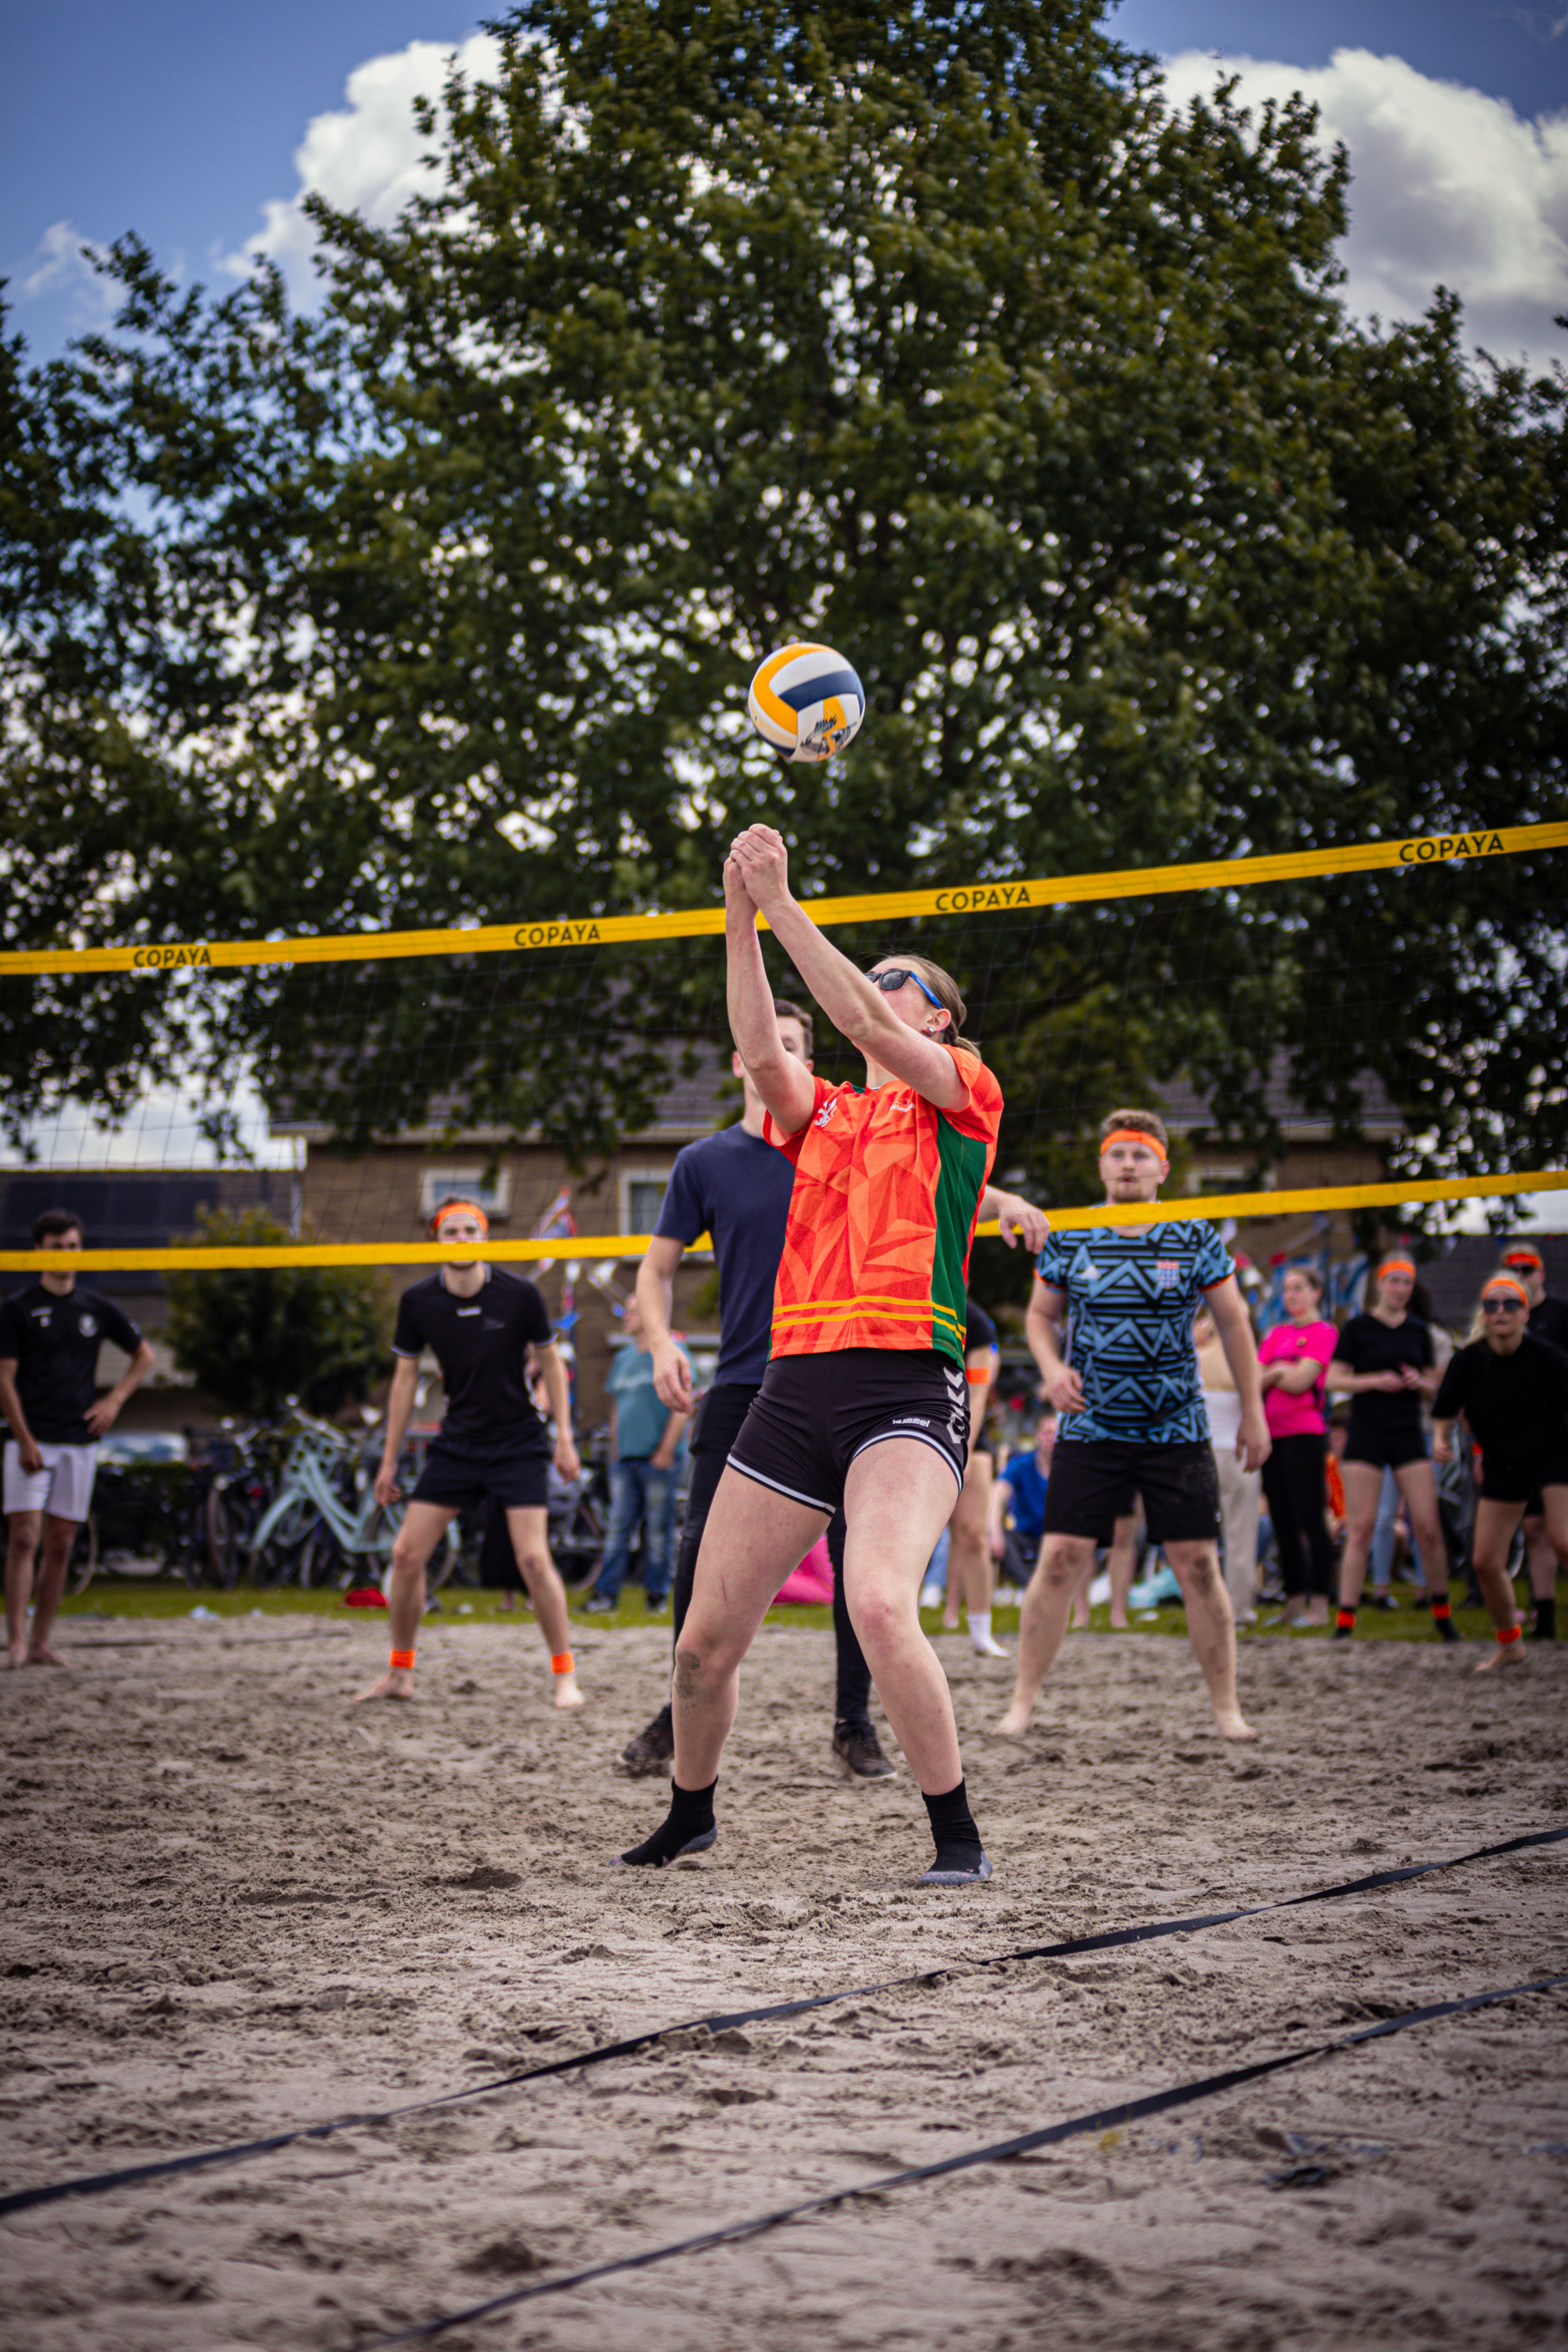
887,1192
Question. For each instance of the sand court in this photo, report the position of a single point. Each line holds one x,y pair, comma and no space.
234,1906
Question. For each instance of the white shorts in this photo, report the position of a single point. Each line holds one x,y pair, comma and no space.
63,1486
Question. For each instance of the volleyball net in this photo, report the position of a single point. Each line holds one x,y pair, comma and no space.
1365,1031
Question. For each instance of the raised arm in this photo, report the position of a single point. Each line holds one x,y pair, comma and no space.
784,1082
855,1009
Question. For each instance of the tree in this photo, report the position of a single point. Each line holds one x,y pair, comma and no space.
934,333
252,1339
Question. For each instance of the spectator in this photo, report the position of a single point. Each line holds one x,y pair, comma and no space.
1295,1356
1019,1495
647,1442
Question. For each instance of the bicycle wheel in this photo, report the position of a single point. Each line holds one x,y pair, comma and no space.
227,1541
83,1557
320,1561
276,1557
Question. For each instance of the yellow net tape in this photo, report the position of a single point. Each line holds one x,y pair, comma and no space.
965,898
196,1260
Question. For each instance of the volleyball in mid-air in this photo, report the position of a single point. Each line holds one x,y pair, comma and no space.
808,702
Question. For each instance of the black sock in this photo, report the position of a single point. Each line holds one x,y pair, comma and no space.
1545,1619
689,1816
952,1827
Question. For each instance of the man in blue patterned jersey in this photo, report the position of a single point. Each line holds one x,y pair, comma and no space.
1123,1376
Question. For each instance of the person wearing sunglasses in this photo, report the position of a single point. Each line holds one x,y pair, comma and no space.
1513,1390
864,1400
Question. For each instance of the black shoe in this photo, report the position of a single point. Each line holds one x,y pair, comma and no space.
859,1751
957,1874
1446,1630
1378,1600
1342,1633
643,1857
653,1748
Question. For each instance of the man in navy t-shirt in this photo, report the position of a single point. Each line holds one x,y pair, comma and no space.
736,1188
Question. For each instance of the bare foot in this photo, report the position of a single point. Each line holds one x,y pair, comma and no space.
566,1691
396,1682
40,1655
1120,1625
1015,1722
1509,1655
16,1656
1231,1724
1315,1614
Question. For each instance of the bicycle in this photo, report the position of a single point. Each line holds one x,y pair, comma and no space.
310,1521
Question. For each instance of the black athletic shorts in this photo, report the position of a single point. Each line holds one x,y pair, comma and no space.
454,1480
1093,1479
1522,1481
814,1414
1381,1452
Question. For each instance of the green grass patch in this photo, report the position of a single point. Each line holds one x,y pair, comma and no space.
160,1596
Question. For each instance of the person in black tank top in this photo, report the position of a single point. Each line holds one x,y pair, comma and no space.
1513,1390
1385,1362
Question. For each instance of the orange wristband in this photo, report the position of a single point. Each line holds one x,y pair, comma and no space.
561,1665
403,1661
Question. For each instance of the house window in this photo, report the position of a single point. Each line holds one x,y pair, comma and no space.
642,1198
470,1182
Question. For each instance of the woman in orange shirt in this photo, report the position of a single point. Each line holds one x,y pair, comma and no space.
865,1402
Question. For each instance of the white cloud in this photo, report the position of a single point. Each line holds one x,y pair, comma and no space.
1450,188
59,264
366,157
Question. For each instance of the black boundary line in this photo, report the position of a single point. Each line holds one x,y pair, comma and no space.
95,2184
1104,2119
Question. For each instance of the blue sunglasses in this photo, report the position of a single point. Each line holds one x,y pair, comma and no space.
889,981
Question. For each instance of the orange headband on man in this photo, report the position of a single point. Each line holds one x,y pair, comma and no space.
1396,1265
1136,1134
1506,1282
452,1209
1525,1257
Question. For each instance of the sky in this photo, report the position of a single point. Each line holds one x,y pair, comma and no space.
200,125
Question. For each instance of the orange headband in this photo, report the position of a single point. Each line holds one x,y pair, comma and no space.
1525,1257
1506,1282
1136,1134
451,1208
1397,1265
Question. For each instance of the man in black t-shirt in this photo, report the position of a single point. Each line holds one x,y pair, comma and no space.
50,1334
479,1322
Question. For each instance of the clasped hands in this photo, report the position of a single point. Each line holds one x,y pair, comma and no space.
757,868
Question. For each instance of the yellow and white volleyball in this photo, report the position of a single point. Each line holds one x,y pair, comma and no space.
808,702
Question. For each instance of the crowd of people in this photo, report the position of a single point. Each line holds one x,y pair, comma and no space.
850,1397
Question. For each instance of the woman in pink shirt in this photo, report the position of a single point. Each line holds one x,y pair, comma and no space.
1293,1359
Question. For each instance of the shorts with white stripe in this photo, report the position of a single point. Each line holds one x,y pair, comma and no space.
814,1415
